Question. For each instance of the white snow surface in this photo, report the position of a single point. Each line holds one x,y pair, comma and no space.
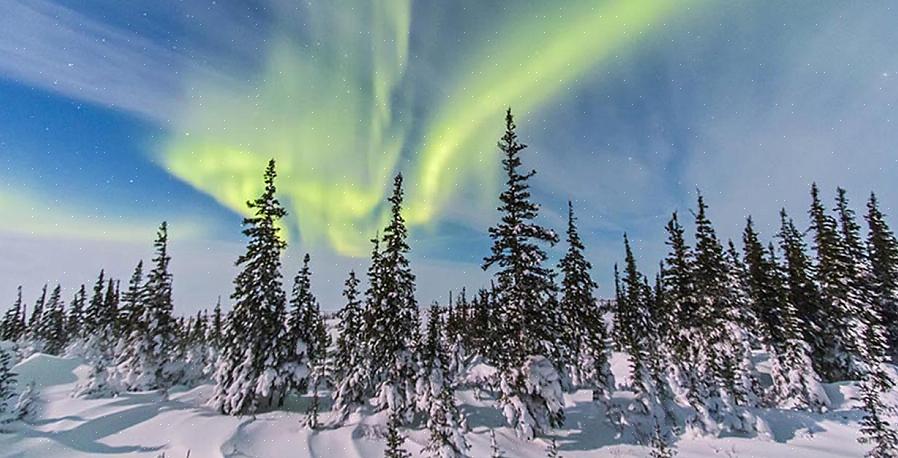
148,424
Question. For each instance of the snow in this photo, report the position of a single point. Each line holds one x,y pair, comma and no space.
147,424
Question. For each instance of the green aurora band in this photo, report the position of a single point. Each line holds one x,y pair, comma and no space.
334,111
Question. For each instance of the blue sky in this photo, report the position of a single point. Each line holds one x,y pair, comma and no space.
115,116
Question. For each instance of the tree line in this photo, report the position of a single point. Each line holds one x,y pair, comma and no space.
823,310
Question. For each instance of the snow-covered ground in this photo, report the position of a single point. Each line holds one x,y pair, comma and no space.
146,424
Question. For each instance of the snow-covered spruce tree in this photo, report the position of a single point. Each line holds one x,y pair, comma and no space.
33,335
872,343
842,302
350,354
392,323
801,289
724,359
653,404
52,326
149,358
586,333
133,303
195,352
435,396
74,322
306,327
528,357
214,329
257,362
99,322
796,385
12,328
883,252
875,427
25,403
458,335
743,327
395,439
7,386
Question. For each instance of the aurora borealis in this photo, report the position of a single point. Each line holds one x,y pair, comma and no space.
116,115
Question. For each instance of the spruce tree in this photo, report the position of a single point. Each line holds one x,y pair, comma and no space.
350,353
34,323
7,386
215,326
306,326
653,396
257,362
12,329
679,293
392,322
585,330
883,252
435,396
52,327
795,382
75,320
842,309
150,359
528,330
133,301
801,289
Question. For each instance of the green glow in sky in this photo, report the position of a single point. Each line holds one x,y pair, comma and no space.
334,111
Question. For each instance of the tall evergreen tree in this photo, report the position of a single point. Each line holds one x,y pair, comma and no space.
52,326
795,382
350,354
841,301
133,301
801,289
395,439
436,397
12,321
653,403
7,386
75,320
392,323
586,333
306,326
883,252
525,295
37,312
257,363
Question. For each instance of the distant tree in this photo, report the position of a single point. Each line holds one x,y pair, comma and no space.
75,320
7,386
528,323
257,362
133,302
12,328
52,327
37,312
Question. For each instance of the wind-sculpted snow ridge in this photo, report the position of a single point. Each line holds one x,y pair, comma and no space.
148,424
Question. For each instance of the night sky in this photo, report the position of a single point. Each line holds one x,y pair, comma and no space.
117,115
